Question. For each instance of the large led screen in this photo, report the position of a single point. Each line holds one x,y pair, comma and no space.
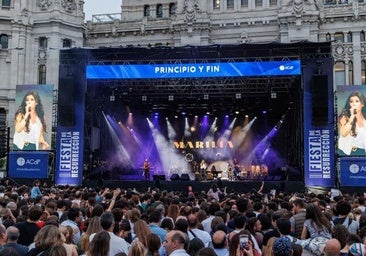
33,117
351,121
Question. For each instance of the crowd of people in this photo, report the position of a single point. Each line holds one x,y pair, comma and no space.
65,220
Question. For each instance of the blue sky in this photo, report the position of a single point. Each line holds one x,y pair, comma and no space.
101,7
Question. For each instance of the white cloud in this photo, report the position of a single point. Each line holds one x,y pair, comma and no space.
92,7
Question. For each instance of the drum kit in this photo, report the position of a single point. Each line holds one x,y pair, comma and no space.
226,171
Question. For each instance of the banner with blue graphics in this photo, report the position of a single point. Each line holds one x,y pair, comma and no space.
194,70
318,140
28,164
70,133
352,171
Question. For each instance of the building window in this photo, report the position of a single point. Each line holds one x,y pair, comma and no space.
42,70
66,43
159,11
338,36
349,37
330,2
272,3
362,36
4,41
43,42
147,11
172,9
258,3
339,69
363,72
244,3
5,3
350,72
216,4
230,4
328,37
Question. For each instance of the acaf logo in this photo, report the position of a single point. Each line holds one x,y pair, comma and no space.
354,168
20,161
282,67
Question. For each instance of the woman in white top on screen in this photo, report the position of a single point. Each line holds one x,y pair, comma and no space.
352,126
30,124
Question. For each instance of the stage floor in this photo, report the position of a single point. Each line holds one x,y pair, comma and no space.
241,186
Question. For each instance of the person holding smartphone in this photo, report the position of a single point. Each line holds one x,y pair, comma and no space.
241,244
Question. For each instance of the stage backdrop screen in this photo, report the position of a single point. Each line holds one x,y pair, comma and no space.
33,117
234,69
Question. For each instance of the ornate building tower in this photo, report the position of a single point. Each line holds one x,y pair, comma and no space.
31,35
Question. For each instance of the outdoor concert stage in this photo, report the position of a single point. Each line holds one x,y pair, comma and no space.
198,186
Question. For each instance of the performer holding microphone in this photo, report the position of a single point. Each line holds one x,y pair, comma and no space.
30,124
352,126
146,169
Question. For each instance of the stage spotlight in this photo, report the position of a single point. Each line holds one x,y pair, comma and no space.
246,116
205,96
273,95
170,98
144,98
264,112
237,112
238,96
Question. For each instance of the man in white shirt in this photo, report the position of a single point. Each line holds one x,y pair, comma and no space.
174,243
195,232
206,223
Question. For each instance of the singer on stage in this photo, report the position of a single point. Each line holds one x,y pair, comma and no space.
30,124
146,169
352,126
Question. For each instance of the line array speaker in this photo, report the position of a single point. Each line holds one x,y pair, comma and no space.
319,100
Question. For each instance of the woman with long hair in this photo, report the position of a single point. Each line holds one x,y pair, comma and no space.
352,125
30,124
45,238
153,245
316,224
137,249
142,230
93,227
99,246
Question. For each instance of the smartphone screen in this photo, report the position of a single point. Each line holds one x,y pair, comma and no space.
243,241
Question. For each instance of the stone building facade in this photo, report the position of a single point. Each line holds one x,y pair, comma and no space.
33,32
31,36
